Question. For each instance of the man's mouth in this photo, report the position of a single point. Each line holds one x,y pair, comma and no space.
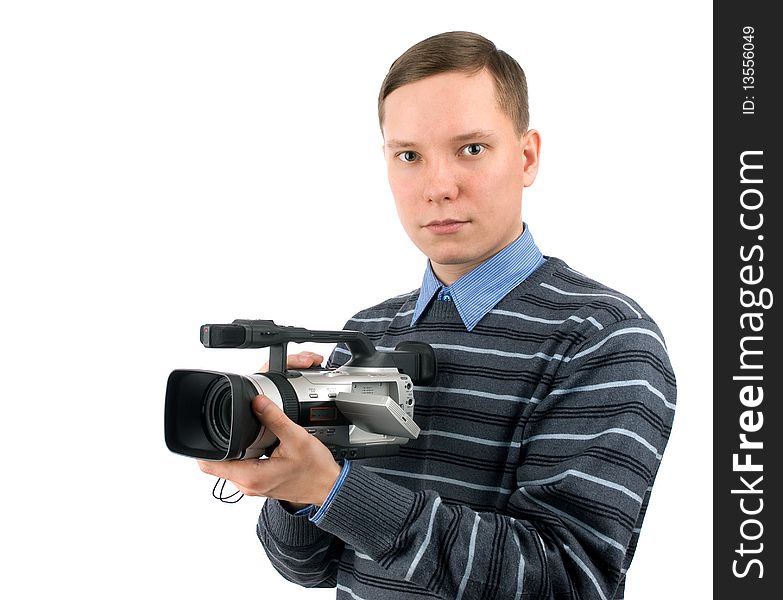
445,226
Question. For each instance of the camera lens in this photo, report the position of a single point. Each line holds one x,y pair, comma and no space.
216,413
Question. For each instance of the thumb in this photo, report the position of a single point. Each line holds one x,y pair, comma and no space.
273,417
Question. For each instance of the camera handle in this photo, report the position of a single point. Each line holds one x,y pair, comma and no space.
415,359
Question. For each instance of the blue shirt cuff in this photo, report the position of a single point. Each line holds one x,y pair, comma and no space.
317,515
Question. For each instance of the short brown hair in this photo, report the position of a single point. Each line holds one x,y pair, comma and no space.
467,52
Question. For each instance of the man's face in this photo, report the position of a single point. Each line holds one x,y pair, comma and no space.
456,168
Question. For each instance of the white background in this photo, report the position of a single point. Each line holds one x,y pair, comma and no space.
165,164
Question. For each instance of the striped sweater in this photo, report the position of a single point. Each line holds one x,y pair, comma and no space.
540,442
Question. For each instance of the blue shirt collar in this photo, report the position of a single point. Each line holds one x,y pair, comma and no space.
479,291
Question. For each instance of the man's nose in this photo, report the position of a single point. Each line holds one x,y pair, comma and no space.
442,181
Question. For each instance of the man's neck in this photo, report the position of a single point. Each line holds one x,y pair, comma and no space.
448,274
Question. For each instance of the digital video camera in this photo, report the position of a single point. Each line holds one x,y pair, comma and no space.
361,409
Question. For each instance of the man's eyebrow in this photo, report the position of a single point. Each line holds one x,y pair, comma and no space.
478,134
392,143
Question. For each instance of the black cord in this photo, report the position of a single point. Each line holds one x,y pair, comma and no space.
220,495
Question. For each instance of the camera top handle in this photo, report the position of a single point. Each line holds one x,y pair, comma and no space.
415,359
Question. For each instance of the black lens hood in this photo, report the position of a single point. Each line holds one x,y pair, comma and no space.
184,422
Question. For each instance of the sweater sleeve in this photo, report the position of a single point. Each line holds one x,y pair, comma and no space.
590,452
300,551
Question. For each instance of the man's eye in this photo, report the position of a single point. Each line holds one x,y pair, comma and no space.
408,156
472,150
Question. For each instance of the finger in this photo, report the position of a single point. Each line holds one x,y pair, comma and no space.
239,472
218,468
274,418
251,477
301,360
304,360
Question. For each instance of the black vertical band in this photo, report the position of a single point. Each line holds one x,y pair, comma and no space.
748,369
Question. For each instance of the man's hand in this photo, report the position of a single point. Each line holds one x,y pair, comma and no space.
301,470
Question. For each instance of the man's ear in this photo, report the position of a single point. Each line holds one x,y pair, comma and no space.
531,148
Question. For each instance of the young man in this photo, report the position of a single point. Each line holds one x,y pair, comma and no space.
554,400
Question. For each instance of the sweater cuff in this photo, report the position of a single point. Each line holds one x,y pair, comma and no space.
288,528
368,512
317,513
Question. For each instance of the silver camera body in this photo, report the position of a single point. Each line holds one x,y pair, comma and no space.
361,409
377,405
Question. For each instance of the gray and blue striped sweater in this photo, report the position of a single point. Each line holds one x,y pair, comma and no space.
540,442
